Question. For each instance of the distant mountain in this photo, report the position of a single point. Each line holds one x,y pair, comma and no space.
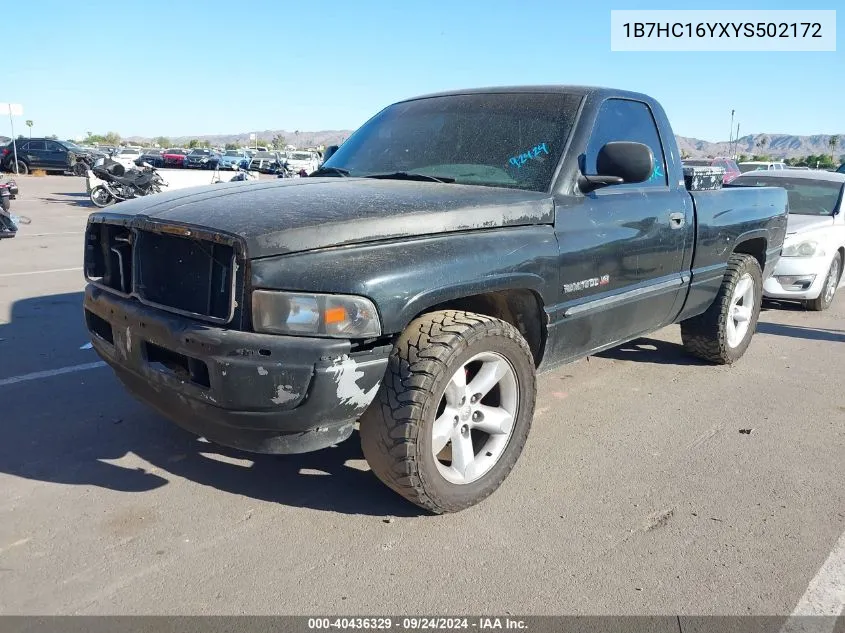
774,145
297,138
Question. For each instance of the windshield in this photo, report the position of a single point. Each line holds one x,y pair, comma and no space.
232,152
200,152
697,163
300,156
70,145
129,151
512,140
806,196
263,155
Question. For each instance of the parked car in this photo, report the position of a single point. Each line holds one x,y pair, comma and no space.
151,156
234,159
299,161
43,153
451,248
728,165
810,267
757,165
174,157
841,169
201,158
266,162
127,156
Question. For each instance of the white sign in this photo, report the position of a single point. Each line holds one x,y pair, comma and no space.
723,30
13,109
252,137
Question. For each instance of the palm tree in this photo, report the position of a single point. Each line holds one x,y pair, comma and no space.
832,142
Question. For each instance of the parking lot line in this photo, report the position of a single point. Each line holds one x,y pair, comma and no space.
40,272
825,595
50,372
19,235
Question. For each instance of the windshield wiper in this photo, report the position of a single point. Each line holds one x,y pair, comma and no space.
331,170
404,175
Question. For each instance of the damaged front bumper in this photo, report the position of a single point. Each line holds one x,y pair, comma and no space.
256,392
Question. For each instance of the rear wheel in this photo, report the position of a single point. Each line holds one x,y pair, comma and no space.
453,412
722,334
23,168
831,283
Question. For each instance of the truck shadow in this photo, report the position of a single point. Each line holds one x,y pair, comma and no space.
648,350
66,428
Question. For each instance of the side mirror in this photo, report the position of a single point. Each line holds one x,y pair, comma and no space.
617,163
331,149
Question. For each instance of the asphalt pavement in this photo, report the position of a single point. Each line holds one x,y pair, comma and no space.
651,483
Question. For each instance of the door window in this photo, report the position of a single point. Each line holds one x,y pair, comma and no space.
626,120
52,146
37,146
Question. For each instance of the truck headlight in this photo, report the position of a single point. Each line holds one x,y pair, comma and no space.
335,316
807,248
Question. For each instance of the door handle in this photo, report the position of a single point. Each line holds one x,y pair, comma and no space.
676,220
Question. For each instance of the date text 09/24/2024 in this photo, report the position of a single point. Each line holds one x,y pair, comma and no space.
417,623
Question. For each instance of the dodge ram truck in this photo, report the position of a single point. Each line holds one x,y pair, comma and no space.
415,284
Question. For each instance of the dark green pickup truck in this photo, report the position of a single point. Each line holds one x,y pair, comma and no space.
450,249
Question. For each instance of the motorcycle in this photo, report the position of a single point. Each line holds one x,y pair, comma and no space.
242,175
9,223
118,184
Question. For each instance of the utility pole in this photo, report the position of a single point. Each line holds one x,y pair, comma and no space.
730,136
736,141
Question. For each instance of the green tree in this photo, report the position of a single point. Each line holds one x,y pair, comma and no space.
162,141
279,141
193,143
832,142
232,146
109,138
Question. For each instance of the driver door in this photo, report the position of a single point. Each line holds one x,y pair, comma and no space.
56,156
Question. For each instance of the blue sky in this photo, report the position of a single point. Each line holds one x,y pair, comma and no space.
185,67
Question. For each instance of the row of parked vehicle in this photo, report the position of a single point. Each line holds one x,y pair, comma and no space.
261,160
53,155
733,170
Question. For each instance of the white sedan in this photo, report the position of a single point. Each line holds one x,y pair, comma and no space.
810,267
127,157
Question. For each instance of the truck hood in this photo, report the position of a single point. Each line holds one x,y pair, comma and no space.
276,217
805,223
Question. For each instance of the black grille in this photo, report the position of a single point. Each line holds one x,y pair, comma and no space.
176,273
185,274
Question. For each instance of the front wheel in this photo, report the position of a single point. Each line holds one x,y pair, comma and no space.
453,412
722,334
831,283
101,197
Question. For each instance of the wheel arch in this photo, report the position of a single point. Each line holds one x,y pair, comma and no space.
516,303
755,244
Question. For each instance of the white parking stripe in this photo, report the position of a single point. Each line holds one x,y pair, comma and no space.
19,235
41,272
825,596
49,373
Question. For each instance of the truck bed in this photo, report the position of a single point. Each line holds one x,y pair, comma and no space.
725,217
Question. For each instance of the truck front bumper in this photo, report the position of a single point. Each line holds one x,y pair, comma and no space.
256,392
